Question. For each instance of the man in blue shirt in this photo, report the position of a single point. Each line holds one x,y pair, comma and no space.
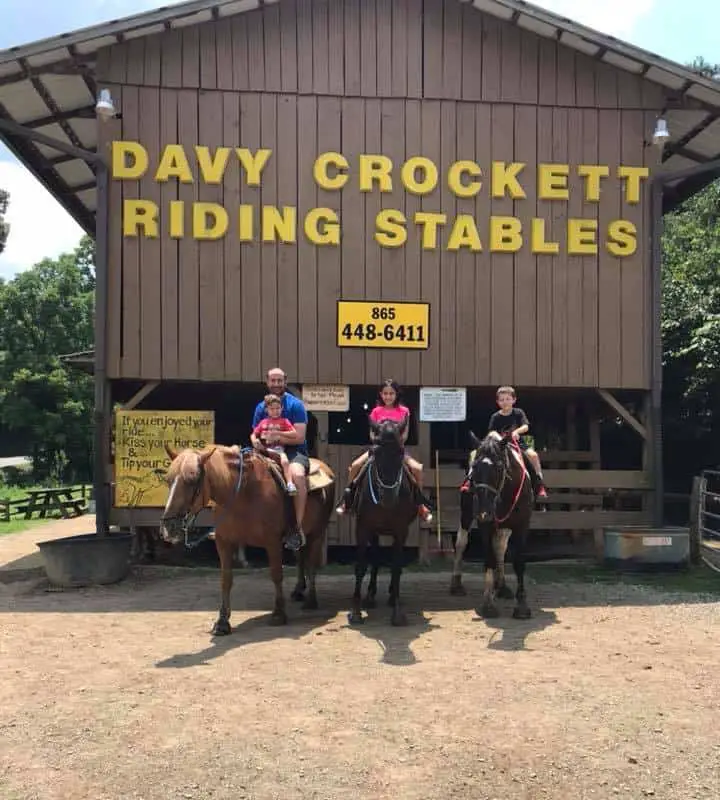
293,409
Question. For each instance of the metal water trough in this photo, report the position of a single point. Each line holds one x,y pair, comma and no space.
87,559
642,547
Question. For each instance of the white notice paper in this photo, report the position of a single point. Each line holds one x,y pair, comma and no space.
443,404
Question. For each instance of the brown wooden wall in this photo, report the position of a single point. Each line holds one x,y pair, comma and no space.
430,77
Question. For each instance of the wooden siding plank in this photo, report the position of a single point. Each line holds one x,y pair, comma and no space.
131,251
240,73
116,243
590,265
529,67
383,34
433,75
565,76
305,46
547,72
510,69
430,263
353,242
320,50
336,48
368,49
630,91
271,42
559,212
136,62
544,329
502,267
269,321
352,47
224,54
288,47
448,260
250,251
256,50
208,57
153,61
413,276
287,254
584,81
415,49
610,338
472,50
491,59
102,64
373,286
329,258
150,249
117,69
392,259
307,252
399,48
232,290
575,264
635,328
191,57
483,260
464,300
452,50
606,86
525,262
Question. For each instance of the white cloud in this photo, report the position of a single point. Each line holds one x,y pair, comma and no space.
39,226
614,17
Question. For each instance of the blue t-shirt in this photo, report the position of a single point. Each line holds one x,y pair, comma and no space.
293,409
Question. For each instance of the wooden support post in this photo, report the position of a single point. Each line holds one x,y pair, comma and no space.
140,395
698,486
598,534
323,429
424,455
623,412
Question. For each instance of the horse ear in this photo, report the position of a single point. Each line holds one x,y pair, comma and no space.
204,456
474,440
374,427
404,426
171,451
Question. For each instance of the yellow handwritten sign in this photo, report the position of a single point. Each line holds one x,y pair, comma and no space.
416,175
398,326
140,457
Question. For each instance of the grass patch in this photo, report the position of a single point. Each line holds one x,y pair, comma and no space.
17,522
20,525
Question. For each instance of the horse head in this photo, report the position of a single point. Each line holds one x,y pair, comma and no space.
186,478
488,472
388,455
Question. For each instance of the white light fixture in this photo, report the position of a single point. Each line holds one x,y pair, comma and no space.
105,108
661,134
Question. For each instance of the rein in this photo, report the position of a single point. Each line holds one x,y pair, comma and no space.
497,490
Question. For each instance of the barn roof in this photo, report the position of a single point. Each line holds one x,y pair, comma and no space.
50,86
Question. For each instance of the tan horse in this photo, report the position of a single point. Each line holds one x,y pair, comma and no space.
252,509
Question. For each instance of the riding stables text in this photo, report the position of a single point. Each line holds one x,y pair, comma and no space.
417,175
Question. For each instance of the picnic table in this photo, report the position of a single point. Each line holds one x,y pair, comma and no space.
42,501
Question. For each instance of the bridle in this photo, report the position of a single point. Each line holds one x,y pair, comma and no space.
496,491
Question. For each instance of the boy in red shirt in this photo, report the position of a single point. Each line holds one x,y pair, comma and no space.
263,433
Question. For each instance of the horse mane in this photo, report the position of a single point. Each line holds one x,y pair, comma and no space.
490,447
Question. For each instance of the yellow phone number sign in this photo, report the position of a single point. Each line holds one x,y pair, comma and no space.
399,326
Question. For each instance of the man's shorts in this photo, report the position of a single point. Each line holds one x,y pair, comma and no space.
299,458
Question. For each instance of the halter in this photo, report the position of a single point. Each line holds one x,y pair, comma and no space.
497,490
393,487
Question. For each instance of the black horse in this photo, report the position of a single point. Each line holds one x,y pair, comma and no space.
386,504
501,498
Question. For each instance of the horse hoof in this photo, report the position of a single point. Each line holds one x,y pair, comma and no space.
221,628
505,593
278,618
369,602
355,619
457,589
310,604
489,611
399,619
297,595
521,612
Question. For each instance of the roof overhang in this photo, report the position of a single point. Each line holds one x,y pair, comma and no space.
50,86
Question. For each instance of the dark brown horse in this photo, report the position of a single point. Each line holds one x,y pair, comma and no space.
501,499
386,504
252,509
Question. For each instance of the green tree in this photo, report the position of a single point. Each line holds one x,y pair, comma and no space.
45,312
4,225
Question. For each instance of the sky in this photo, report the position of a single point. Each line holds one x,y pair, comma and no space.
678,31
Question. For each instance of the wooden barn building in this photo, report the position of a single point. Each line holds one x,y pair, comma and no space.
457,195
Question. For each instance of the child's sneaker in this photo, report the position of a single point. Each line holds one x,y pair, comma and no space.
291,488
465,485
345,503
425,513
541,491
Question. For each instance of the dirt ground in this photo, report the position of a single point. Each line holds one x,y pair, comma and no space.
120,692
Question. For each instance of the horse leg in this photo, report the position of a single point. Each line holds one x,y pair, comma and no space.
356,617
225,553
298,593
461,543
521,610
489,608
274,551
398,616
500,543
312,557
369,601
240,557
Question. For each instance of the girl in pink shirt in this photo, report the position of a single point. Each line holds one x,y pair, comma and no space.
388,407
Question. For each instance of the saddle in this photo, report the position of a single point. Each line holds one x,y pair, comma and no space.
317,478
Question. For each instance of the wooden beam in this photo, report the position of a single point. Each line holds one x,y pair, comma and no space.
623,412
140,395
601,480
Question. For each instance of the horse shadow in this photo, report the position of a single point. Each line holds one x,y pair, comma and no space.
394,642
509,634
252,631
